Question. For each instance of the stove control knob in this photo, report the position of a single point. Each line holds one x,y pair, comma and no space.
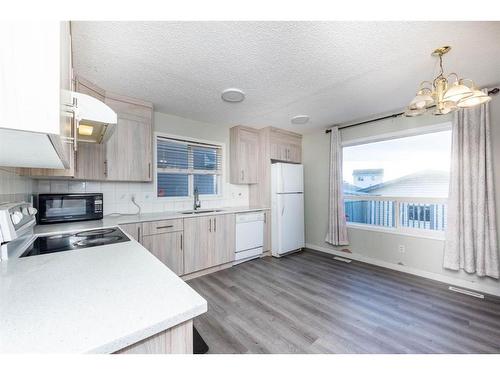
32,211
16,217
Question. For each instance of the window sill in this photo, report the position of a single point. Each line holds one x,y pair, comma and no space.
410,232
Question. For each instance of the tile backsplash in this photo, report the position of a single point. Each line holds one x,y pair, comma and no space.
14,187
117,195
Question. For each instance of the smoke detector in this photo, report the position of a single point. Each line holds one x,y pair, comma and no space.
300,119
233,95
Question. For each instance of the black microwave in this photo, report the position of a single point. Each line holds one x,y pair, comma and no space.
61,208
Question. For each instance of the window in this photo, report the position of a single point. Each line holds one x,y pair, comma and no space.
408,183
183,166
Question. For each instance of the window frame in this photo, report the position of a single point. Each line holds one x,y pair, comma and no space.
181,139
399,230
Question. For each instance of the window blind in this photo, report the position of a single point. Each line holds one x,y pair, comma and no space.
183,166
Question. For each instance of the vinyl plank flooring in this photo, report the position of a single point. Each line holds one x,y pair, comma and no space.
309,303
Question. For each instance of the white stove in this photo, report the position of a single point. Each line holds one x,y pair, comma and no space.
17,220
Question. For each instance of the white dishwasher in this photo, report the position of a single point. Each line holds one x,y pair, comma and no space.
249,236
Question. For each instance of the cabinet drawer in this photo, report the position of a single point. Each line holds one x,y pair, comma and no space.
163,226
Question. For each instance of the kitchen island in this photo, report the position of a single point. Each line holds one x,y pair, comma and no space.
105,299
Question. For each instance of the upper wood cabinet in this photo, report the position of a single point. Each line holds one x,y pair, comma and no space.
129,150
84,86
90,162
208,241
244,161
90,157
275,145
285,146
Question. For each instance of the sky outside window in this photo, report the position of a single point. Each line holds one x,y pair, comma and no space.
400,157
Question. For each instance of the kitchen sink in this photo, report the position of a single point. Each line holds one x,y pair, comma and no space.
193,212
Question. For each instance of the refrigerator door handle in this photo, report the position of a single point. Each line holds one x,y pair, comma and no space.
282,210
282,179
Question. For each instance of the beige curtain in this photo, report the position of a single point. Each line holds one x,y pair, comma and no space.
337,228
471,234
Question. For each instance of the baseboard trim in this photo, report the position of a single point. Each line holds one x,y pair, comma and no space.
413,271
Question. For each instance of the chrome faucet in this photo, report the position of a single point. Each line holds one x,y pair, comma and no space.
197,202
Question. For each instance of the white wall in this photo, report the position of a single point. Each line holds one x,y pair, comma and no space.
422,256
117,195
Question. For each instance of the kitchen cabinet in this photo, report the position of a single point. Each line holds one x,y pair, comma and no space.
162,226
267,231
134,230
90,160
175,340
244,150
275,145
208,241
84,86
54,100
225,238
129,150
285,146
35,64
164,239
168,248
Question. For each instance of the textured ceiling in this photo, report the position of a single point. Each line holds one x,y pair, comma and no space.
332,71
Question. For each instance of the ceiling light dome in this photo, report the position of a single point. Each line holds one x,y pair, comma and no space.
300,119
233,95
477,97
456,93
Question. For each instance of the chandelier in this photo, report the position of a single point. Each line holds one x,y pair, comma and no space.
445,94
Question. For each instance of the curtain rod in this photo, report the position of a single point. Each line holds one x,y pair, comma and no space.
493,91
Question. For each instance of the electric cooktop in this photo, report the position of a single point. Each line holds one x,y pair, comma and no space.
73,241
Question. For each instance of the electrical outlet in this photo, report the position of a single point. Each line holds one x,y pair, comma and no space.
402,249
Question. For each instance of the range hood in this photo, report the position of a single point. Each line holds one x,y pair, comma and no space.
45,149
96,121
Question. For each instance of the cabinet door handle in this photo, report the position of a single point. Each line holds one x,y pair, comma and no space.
75,126
182,240
210,225
105,168
215,224
165,226
76,162
265,217
149,170
138,234
242,175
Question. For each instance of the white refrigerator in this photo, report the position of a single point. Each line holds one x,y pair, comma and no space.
287,190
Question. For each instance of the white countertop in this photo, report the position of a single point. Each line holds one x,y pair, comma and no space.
93,300
111,221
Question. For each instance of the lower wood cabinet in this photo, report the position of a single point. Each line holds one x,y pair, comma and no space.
188,245
167,247
209,241
267,230
133,230
175,340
